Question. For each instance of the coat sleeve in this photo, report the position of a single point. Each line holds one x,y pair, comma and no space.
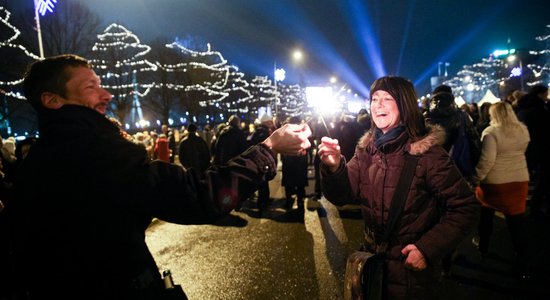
181,196
341,187
457,203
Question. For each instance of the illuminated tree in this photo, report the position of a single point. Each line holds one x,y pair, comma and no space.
165,99
206,73
13,60
119,60
292,100
263,94
541,68
13,57
238,98
501,74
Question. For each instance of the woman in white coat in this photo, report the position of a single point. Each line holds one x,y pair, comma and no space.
503,180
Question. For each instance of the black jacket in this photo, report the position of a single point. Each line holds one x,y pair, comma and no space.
85,196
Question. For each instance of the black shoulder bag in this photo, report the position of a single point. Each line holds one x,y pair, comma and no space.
365,270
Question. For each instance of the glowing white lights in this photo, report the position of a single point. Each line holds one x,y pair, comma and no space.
8,85
280,74
44,6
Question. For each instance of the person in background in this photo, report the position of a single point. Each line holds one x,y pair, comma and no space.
231,141
461,138
514,97
533,112
264,128
294,175
162,150
150,147
9,160
85,195
504,181
474,112
23,147
193,151
319,130
207,134
440,208
484,118
363,120
171,138
347,131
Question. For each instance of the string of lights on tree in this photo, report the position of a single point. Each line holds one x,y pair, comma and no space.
474,80
291,99
119,60
542,73
239,96
214,74
9,86
263,91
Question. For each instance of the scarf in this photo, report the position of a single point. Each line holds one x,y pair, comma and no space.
380,139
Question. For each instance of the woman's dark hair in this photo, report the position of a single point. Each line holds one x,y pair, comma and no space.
50,75
402,90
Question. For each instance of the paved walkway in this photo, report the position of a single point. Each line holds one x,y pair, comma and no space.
474,277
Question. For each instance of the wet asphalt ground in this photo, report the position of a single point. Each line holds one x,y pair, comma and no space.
301,254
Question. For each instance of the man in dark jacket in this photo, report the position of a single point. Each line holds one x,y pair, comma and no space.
462,140
533,112
261,132
193,151
231,142
85,195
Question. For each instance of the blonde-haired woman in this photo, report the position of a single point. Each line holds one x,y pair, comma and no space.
504,180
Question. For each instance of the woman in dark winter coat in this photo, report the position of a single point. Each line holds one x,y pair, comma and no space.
440,208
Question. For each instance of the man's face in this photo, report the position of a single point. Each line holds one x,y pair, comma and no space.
83,88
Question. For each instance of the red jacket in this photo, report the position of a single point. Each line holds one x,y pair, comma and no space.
162,151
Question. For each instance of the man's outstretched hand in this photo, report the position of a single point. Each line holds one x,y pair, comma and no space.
291,139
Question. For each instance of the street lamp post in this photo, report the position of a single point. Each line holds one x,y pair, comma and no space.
278,75
41,7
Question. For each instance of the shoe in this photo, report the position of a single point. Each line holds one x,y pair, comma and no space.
475,241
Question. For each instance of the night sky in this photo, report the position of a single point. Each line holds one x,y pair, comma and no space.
357,41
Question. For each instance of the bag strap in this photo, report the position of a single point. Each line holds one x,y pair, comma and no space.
401,193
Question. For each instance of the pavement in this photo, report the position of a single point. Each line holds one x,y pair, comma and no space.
490,277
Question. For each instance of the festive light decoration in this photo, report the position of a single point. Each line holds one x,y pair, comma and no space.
120,62
292,99
493,73
44,6
237,89
8,86
263,94
214,68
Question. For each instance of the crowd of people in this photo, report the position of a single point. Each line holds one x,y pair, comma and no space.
104,185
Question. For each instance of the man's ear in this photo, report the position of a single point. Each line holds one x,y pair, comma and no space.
51,100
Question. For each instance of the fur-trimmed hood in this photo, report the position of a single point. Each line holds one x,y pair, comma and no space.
436,136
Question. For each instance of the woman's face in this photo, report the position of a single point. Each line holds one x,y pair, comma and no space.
384,111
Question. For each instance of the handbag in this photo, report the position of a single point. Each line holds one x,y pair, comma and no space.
366,270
